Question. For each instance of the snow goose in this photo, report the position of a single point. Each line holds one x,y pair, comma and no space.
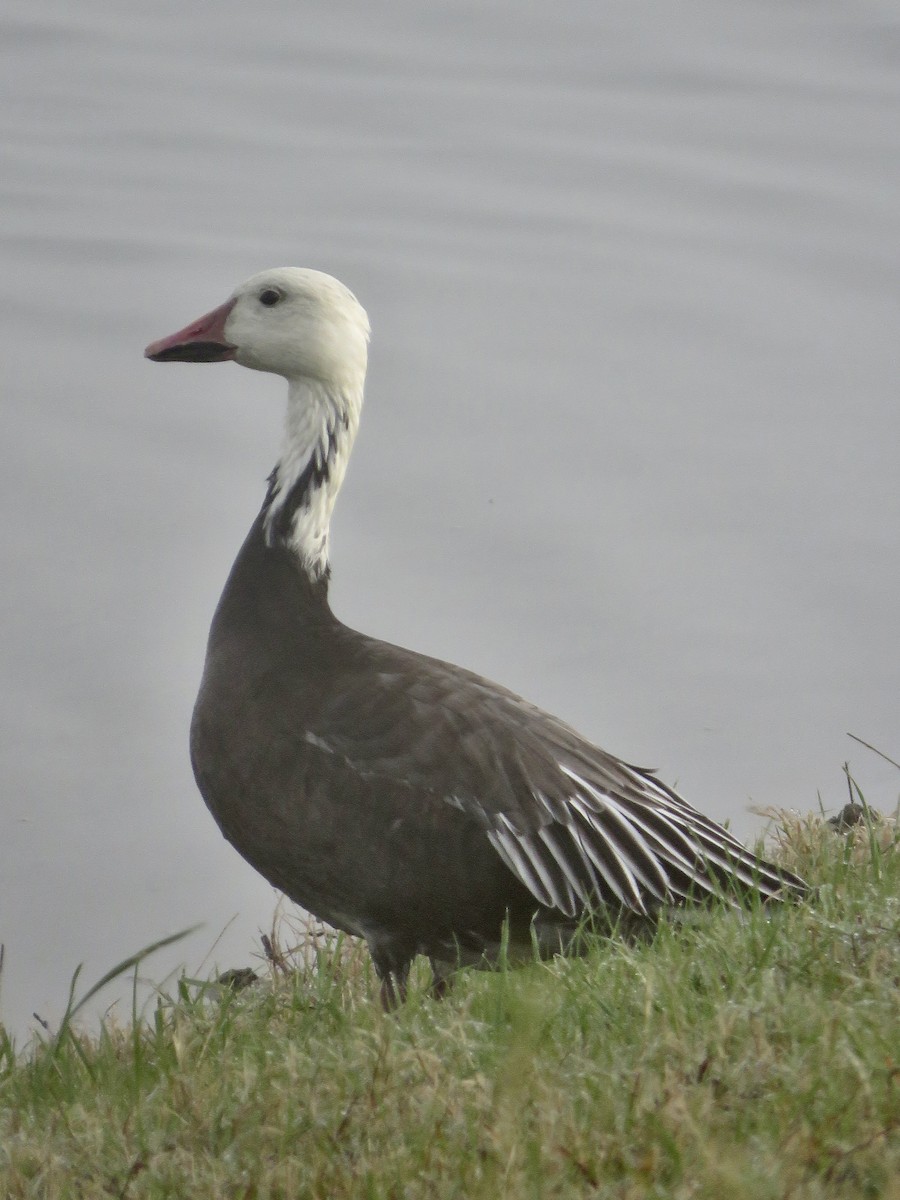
400,798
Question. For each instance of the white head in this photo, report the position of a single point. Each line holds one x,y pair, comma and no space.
291,321
310,328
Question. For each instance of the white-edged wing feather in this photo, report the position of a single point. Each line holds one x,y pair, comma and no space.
578,827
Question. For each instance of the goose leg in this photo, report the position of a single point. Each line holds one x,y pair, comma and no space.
393,984
441,982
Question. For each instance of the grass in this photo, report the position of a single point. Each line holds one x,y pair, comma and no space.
740,1056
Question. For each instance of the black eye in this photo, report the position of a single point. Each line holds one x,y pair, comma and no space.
269,297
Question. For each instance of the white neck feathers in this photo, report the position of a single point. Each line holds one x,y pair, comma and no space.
320,428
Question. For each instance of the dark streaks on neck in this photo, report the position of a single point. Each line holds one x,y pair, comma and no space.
313,476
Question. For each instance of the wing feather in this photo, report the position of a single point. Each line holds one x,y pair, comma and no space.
574,824
515,854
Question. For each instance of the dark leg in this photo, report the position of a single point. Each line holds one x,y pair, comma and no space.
393,984
441,983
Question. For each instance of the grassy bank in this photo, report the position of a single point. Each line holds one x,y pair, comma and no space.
754,1056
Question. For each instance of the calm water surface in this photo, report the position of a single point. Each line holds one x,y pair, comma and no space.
630,443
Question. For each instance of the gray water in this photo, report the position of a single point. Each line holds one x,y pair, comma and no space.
631,436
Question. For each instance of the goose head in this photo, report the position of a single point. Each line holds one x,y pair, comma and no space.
310,328
291,321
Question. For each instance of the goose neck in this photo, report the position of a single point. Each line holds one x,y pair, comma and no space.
320,426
